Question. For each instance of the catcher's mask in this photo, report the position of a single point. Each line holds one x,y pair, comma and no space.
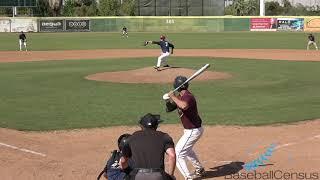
123,140
150,121
162,37
180,80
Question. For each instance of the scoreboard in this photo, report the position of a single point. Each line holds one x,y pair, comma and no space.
18,3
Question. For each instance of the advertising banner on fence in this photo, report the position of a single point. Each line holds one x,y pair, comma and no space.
290,24
51,25
263,24
77,25
5,25
25,25
312,24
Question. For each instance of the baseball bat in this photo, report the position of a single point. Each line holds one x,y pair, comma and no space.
197,73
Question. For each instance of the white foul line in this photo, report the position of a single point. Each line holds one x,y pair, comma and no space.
22,149
295,143
292,143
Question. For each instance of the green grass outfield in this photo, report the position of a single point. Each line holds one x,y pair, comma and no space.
223,40
54,94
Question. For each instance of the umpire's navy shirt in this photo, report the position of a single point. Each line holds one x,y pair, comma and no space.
147,148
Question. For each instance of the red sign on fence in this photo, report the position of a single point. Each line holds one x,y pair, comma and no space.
263,24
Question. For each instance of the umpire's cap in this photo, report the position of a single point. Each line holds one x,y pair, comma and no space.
179,80
150,121
122,140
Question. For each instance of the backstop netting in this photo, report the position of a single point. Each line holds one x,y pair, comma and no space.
18,3
180,7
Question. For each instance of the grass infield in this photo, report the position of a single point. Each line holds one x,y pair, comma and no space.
223,40
54,94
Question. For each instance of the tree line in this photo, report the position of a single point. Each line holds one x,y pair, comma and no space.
272,8
47,8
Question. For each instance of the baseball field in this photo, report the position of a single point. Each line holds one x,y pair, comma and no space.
64,103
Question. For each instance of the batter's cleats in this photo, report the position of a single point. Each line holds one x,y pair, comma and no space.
192,177
200,172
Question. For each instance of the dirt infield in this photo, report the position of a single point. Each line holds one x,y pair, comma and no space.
80,154
275,54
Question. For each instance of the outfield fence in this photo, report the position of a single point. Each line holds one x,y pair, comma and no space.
160,24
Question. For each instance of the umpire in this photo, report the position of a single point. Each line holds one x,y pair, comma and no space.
147,148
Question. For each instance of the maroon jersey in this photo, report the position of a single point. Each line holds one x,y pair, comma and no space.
190,118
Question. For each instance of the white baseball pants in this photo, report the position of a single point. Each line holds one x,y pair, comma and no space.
162,59
312,43
22,43
184,150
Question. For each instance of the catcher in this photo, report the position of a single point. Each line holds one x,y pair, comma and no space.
22,41
165,48
112,170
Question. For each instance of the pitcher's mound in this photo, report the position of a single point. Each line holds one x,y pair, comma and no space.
150,75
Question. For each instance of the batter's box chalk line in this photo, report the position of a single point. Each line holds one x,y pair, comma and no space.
22,149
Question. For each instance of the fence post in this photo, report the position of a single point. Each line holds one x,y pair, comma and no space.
169,7
155,7
187,8
139,13
202,7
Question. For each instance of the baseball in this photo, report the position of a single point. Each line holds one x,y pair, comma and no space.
166,96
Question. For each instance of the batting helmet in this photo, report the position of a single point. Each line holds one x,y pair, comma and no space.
162,37
123,140
180,80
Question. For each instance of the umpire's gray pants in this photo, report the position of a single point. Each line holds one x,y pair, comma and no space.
149,176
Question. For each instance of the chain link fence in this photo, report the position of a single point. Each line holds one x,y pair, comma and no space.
180,7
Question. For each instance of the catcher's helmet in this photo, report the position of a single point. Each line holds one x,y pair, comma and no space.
162,37
180,80
123,140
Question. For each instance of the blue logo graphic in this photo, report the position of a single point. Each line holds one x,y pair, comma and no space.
261,160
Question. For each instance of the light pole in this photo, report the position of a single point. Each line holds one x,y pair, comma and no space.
262,8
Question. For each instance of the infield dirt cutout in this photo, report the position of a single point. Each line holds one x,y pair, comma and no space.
150,75
81,154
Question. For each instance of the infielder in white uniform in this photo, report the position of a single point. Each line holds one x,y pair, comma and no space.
124,32
312,42
22,41
186,104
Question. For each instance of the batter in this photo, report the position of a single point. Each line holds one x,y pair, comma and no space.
186,104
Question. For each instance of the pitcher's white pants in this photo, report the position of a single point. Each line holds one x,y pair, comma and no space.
163,59
313,43
22,43
184,150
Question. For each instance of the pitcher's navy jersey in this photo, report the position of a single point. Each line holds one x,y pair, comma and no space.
164,45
